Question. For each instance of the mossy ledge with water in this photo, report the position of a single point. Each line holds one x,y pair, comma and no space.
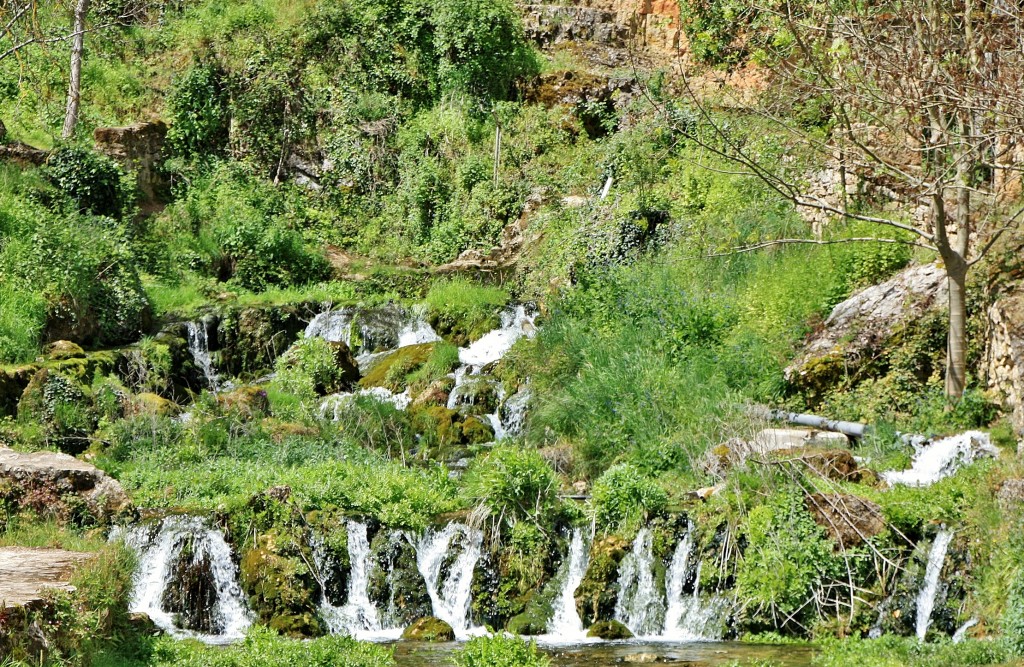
336,331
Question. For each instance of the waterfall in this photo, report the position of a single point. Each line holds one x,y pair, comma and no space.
513,411
930,585
331,407
199,346
566,622
690,617
961,632
358,617
492,346
384,328
160,551
640,606
333,326
450,595
941,458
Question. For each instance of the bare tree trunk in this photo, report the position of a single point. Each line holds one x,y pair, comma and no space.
75,85
956,347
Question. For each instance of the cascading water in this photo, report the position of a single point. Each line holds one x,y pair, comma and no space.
188,541
690,617
333,405
450,595
930,585
565,623
199,347
941,458
358,617
491,347
640,606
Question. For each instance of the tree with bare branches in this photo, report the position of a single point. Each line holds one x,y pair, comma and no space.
924,100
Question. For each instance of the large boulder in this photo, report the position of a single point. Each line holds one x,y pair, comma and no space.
25,573
60,486
609,630
860,326
429,629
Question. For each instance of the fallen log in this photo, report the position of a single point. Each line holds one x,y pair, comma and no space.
850,429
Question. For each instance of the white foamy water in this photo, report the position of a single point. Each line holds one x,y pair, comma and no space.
930,585
941,458
565,624
690,617
332,406
492,346
199,348
159,550
450,595
358,617
640,606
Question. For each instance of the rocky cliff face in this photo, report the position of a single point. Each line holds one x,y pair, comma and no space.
651,26
1006,355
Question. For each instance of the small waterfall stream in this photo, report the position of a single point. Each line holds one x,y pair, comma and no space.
358,617
935,460
930,584
188,541
690,617
640,606
199,347
565,623
451,592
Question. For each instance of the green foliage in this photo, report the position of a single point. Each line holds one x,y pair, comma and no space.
93,182
464,310
265,648
787,559
500,651
890,651
310,368
22,316
515,482
199,114
1013,616
623,497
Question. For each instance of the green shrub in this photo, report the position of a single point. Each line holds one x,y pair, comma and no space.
1013,616
199,114
515,482
22,317
500,651
310,368
623,497
93,182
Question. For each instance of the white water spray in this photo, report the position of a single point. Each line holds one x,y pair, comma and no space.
941,458
566,623
157,555
690,617
199,347
640,606
930,585
450,596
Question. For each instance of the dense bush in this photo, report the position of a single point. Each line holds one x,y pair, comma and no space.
500,651
92,182
198,104
515,482
625,497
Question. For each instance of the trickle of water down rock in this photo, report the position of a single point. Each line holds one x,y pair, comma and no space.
690,617
199,347
930,584
640,606
450,595
566,624
183,542
939,459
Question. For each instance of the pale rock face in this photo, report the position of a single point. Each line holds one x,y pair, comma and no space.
26,573
66,475
1005,358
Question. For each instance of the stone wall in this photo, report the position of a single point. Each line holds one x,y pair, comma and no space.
1006,355
138,148
650,25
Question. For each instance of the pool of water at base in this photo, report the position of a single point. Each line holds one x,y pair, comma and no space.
607,654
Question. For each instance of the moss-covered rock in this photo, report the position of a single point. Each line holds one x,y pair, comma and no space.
148,403
282,590
247,341
533,621
396,586
393,369
250,401
429,629
475,432
63,349
598,592
62,407
609,630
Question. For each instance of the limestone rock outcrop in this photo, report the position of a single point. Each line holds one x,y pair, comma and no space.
26,573
59,485
1006,355
861,325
